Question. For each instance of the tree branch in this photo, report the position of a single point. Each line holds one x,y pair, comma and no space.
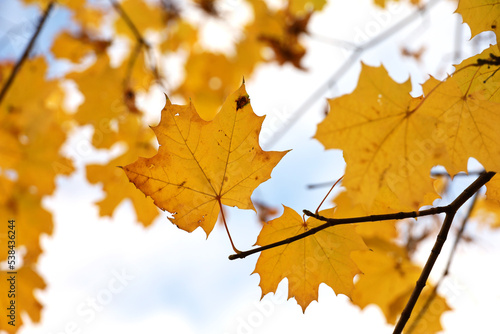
119,9
141,42
341,221
433,294
452,209
26,52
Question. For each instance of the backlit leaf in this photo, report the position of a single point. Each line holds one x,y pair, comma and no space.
324,257
203,164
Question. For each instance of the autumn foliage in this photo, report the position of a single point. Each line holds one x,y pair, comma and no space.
205,154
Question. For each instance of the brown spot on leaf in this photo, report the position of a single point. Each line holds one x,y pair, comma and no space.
242,101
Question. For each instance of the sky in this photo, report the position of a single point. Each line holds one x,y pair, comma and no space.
112,274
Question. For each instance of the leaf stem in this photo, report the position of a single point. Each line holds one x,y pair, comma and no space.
328,193
26,52
227,229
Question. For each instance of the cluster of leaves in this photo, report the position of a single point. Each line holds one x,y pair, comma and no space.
36,119
390,141
208,158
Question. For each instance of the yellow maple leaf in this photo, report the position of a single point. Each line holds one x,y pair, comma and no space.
480,15
382,229
89,18
466,107
75,47
144,15
387,267
138,141
385,140
37,155
31,221
487,211
26,281
323,257
219,71
105,106
493,189
201,164
179,34
301,6
430,320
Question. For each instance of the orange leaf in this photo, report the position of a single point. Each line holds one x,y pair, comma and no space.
200,163
320,258
386,142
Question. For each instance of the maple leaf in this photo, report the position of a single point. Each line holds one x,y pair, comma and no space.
27,280
32,218
480,15
75,47
36,155
323,257
383,229
138,141
144,15
201,164
384,139
466,107
179,34
387,267
487,211
493,189
301,6
221,73
106,96
430,321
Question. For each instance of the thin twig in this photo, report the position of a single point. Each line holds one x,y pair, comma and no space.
433,174
452,209
141,42
320,185
26,52
119,9
445,273
341,221
372,218
348,63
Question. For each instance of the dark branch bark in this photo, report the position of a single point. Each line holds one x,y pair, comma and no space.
330,222
29,47
433,294
340,221
452,209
